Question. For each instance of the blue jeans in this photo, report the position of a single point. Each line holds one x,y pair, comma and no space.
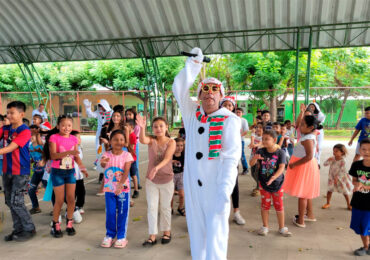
244,159
34,183
117,209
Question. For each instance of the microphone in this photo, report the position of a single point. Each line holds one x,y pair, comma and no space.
188,54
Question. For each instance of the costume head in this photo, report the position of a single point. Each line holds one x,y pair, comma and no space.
104,104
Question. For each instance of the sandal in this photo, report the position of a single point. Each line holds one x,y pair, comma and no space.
166,239
295,222
326,206
181,211
149,243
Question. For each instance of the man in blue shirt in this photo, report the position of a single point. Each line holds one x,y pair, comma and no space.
362,126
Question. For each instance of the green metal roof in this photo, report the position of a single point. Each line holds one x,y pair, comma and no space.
68,30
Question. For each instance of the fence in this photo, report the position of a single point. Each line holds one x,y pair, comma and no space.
342,111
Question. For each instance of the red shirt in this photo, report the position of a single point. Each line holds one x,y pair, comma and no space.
133,140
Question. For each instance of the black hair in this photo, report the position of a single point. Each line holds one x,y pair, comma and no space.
367,108
34,127
282,125
341,148
1,118
116,132
38,116
61,117
260,123
118,108
259,110
365,141
179,140
131,122
315,111
287,121
271,133
275,123
26,121
41,104
259,117
265,111
19,105
240,109
311,121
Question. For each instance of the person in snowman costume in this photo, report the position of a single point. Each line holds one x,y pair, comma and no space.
212,153
103,114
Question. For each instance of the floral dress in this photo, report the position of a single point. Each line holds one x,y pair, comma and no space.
339,180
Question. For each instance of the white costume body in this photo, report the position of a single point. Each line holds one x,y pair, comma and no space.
102,119
320,138
208,184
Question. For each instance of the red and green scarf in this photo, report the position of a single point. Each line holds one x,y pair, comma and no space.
215,132
107,114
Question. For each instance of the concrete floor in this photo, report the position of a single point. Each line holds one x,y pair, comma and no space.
328,238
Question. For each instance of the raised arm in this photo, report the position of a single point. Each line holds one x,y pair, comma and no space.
89,113
183,82
141,121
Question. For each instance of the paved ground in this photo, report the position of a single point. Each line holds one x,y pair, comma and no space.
328,238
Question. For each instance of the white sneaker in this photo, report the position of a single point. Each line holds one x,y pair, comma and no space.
285,232
263,231
81,210
238,219
77,218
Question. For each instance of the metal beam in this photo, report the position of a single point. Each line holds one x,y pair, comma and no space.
308,70
296,76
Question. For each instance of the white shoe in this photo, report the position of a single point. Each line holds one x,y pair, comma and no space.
81,210
285,232
94,167
263,231
77,218
238,219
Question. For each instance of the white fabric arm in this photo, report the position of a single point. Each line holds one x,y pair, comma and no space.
89,113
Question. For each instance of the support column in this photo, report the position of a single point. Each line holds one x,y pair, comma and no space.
308,70
296,76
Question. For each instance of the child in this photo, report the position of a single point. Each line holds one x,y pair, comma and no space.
256,142
182,133
302,178
244,131
80,192
178,159
266,117
228,102
38,171
271,162
338,180
290,134
132,150
116,164
284,141
159,179
131,114
63,149
362,126
277,128
16,171
360,220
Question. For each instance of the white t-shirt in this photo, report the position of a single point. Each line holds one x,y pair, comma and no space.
43,114
244,127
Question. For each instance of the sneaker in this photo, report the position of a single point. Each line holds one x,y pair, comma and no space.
139,187
136,194
69,229
285,232
35,211
81,210
24,236
59,220
245,172
56,231
238,219
77,218
120,243
10,237
361,251
263,231
107,242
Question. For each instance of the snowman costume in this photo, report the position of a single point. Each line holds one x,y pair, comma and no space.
102,116
320,138
209,174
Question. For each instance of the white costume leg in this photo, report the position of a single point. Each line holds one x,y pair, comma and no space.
320,141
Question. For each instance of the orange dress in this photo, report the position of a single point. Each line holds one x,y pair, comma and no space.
303,181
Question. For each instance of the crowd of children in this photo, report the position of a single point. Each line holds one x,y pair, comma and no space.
277,164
